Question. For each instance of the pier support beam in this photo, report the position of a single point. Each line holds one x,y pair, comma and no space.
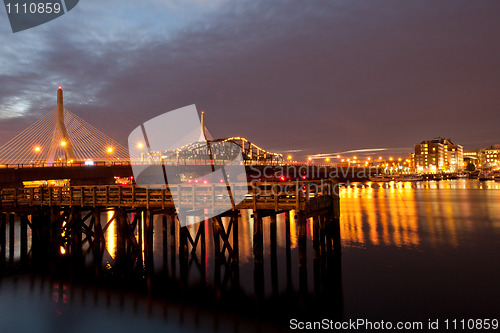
3,229
274,258
302,242
11,236
258,238
288,249
24,237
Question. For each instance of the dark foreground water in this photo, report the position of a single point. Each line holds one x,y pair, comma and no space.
412,252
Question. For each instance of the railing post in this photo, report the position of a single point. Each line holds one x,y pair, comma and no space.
163,199
71,196
119,196
50,196
15,197
82,196
107,195
275,193
213,196
194,196
297,197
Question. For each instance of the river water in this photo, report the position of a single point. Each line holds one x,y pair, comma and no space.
410,252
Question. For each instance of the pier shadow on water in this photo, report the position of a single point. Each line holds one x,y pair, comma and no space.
128,270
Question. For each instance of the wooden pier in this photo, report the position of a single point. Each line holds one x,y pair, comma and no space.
67,221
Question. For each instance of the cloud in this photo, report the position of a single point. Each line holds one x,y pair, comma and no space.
288,75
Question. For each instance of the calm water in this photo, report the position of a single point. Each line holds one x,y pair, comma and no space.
413,251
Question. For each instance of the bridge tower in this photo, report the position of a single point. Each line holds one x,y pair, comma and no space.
60,137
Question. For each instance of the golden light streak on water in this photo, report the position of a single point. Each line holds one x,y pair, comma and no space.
375,214
111,235
293,230
245,240
143,248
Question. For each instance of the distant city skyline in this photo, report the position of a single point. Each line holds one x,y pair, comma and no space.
305,78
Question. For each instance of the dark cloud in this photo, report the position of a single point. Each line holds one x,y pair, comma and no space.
317,76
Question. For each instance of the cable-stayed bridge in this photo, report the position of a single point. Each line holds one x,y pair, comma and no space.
62,138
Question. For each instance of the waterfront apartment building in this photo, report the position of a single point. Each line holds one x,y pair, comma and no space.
484,158
437,155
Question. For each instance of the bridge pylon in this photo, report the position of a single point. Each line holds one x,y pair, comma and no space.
60,137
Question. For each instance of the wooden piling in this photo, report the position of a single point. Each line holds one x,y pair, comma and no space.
11,235
288,250
3,229
164,241
172,243
149,236
302,242
236,244
216,236
24,237
274,259
258,238
317,253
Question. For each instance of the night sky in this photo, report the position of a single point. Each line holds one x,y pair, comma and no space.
302,76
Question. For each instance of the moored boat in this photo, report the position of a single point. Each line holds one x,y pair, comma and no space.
409,178
381,178
486,175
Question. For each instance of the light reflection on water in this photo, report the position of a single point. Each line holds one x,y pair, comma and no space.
418,214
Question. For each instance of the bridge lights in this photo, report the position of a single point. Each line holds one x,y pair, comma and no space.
63,143
289,157
327,159
140,145
110,150
37,149
309,158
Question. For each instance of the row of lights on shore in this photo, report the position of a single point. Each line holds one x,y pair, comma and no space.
354,159
109,150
